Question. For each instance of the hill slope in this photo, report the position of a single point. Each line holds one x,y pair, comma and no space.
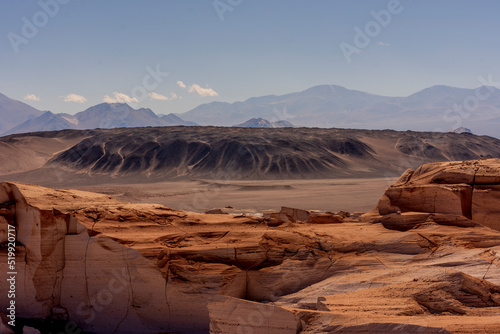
237,153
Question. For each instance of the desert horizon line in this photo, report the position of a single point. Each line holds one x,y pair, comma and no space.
130,101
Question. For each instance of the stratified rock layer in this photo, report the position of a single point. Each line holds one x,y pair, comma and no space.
112,267
466,190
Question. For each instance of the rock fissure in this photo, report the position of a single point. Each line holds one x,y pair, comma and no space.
91,233
131,293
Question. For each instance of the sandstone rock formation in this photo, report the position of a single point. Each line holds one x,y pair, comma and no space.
293,215
462,192
90,261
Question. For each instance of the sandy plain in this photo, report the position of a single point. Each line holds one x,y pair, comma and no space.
253,196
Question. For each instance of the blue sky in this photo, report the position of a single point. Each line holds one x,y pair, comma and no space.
86,51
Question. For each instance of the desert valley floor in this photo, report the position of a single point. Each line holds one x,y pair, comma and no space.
254,196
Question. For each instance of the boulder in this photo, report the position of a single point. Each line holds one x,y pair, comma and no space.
276,218
470,189
324,218
295,214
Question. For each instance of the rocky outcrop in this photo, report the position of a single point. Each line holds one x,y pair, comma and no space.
67,271
292,215
460,193
230,315
89,261
454,293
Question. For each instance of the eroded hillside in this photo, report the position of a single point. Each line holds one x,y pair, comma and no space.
232,153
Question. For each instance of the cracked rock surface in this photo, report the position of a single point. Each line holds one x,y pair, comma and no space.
424,261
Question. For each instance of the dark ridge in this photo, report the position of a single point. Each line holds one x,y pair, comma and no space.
255,153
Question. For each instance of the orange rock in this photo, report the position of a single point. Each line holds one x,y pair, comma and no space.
324,218
470,189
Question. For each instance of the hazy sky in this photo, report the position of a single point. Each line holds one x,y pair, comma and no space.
82,53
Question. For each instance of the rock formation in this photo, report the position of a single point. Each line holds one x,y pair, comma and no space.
424,261
464,192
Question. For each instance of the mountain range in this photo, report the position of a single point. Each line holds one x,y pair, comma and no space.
431,109
437,108
104,116
13,112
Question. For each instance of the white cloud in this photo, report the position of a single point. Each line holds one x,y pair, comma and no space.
32,97
119,98
202,91
74,98
383,43
181,84
156,96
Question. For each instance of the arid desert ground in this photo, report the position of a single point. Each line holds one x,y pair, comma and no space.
254,196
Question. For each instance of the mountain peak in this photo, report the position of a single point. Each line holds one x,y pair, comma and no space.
113,105
13,112
263,123
461,130
173,120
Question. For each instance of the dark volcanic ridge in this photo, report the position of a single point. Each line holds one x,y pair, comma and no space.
232,153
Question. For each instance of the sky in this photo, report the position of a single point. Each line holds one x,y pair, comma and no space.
171,56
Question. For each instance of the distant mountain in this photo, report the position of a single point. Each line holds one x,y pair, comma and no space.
116,115
432,109
436,109
46,122
173,119
283,124
13,112
461,130
320,103
263,123
104,116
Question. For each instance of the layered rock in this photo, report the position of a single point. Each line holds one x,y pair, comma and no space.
110,267
468,190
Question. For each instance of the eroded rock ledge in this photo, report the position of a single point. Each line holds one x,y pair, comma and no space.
424,261
443,192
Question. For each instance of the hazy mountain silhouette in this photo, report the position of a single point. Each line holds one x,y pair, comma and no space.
104,115
432,109
13,112
263,123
